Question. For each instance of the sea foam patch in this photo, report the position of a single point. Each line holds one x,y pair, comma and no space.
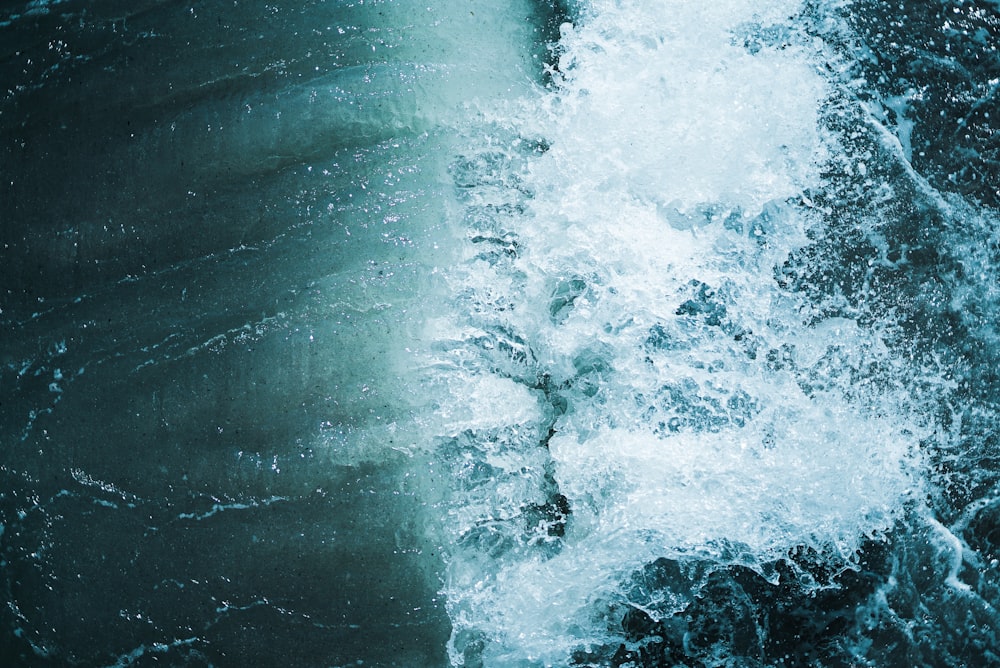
692,407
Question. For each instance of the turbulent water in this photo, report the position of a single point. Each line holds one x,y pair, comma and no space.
499,334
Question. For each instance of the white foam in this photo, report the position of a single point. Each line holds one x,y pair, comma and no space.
667,197
664,103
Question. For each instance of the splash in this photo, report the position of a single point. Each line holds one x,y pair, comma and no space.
629,379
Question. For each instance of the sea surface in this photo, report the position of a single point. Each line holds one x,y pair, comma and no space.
500,333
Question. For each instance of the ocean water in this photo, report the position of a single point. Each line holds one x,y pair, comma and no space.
499,334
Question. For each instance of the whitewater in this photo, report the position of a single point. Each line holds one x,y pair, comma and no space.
688,397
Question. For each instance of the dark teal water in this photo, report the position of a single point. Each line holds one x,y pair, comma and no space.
499,334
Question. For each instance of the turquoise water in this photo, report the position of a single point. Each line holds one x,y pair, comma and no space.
597,334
